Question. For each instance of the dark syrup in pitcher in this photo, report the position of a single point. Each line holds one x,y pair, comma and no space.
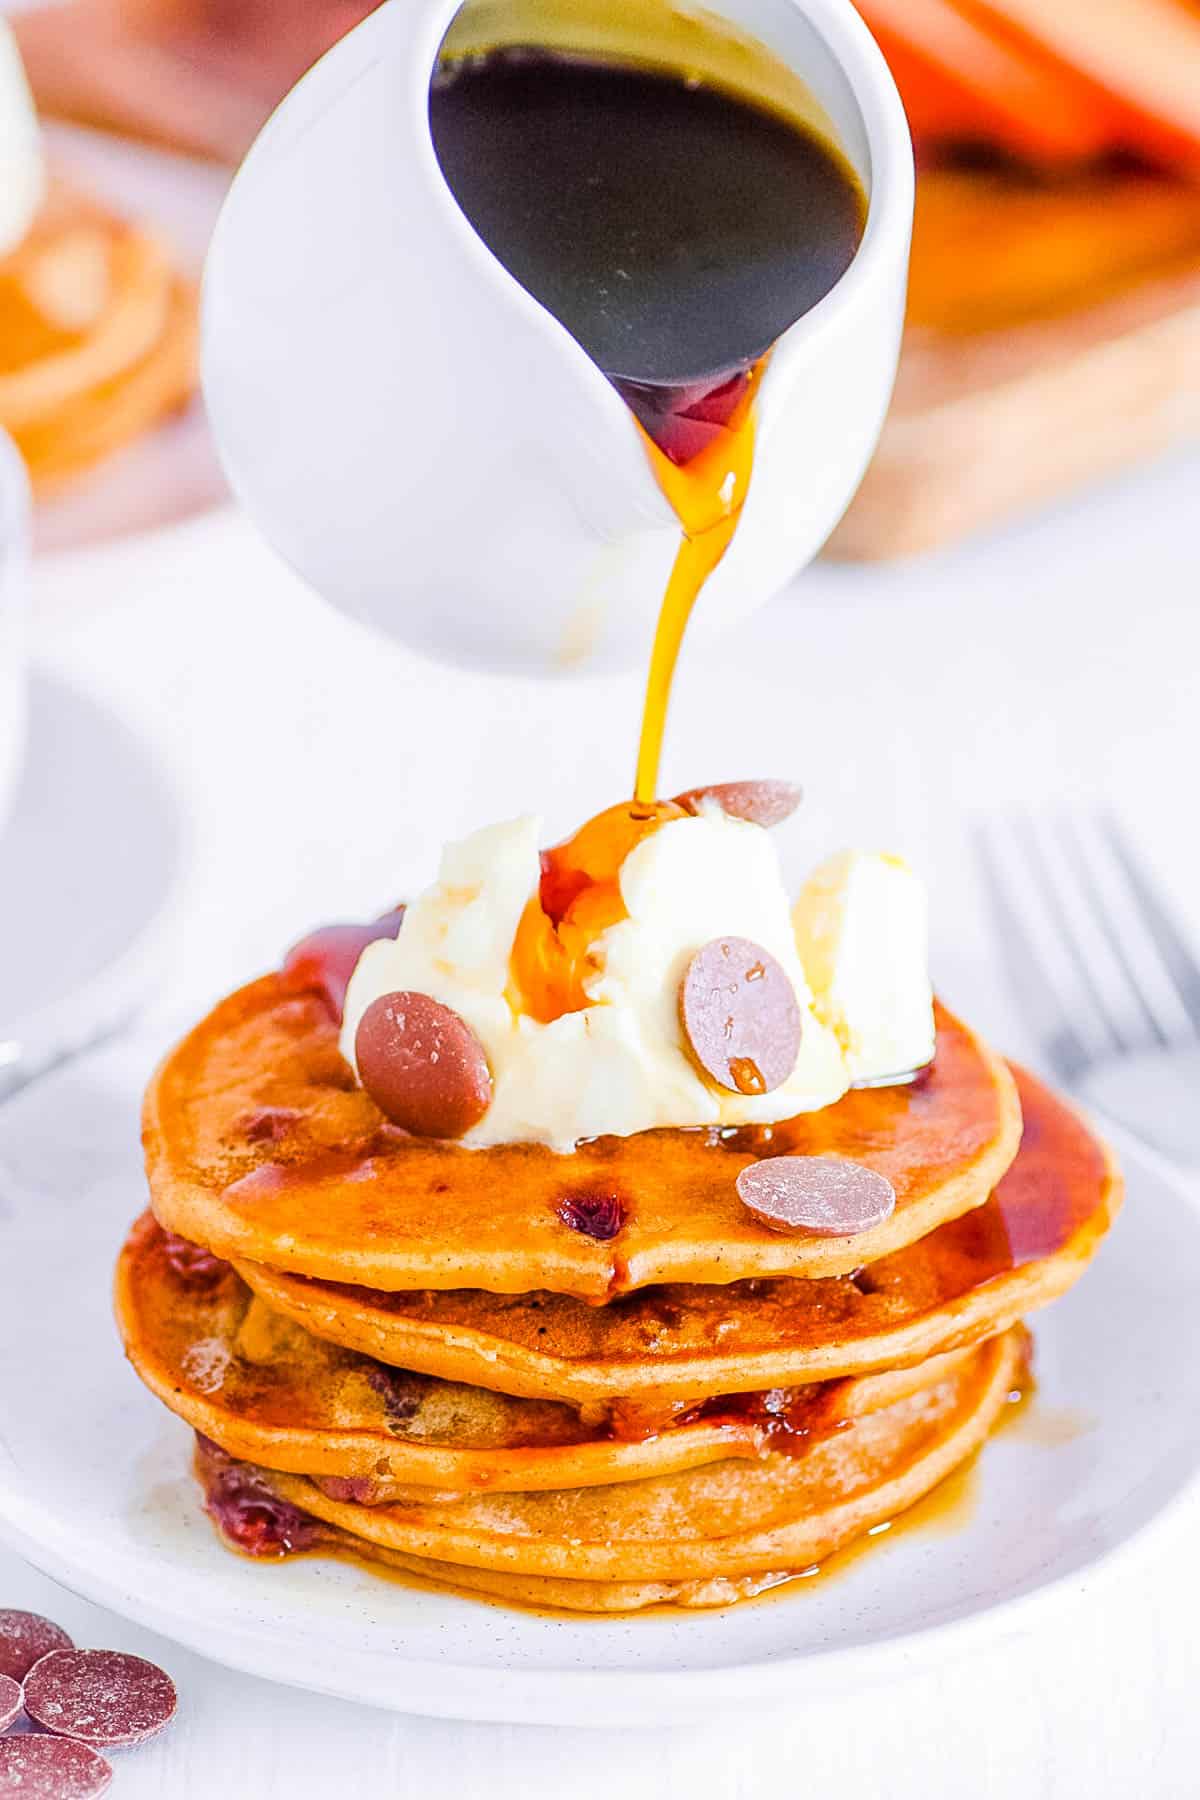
675,228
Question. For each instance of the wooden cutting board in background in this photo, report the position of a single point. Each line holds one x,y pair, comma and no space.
1053,339
1054,331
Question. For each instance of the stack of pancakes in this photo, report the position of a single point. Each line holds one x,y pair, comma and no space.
592,1381
98,337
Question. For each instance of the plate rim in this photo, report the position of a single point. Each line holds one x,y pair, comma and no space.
603,1698
115,992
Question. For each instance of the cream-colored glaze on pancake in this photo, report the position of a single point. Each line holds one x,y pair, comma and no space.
267,1392
970,1279
724,1520
337,1194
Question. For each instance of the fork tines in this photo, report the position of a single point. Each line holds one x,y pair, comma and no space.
1093,952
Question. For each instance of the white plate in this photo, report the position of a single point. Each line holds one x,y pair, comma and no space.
90,861
171,473
93,1487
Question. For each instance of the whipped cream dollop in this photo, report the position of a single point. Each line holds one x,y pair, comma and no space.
22,168
621,1064
862,931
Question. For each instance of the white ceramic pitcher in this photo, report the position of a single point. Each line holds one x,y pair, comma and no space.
429,447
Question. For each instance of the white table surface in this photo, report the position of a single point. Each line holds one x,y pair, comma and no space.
1056,665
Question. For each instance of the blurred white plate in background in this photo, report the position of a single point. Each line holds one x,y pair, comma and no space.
90,861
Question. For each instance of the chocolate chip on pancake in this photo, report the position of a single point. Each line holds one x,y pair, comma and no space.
100,1696
25,1638
740,1015
269,1124
198,1268
246,1514
326,959
50,1768
10,1701
400,1392
422,1065
829,1196
757,802
597,1215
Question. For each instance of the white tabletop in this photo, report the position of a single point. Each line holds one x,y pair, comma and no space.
1056,665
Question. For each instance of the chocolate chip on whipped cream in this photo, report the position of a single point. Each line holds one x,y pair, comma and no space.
764,803
422,1065
740,1016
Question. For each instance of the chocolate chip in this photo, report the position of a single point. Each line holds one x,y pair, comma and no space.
49,1768
10,1701
596,1215
740,1015
357,1490
196,1267
245,1511
422,1065
99,1696
267,1124
758,802
400,1391
25,1638
828,1196
326,959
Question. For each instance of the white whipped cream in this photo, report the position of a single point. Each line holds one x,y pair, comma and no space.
621,1064
22,169
862,930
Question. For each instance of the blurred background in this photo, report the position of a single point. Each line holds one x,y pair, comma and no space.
1004,622
199,760
1005,619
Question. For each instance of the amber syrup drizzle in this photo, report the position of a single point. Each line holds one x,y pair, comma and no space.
707,494
579,895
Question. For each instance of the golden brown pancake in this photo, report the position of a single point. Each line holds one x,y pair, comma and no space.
969,1279
261,1146
98,337
266,1391
720,1523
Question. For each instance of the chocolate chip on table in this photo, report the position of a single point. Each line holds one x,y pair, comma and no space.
25,1638
757,802
51,1768
740,1015
827,1196
10,1701
100,1697
422,1065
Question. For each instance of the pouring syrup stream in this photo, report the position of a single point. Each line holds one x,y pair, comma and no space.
707,493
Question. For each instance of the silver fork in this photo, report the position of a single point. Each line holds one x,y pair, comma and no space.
1106,978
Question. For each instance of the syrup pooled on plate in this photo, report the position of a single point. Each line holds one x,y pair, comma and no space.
677,229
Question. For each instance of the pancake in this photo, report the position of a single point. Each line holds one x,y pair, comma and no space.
720,1523
969,1279
98,337
261,1146
265,1391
